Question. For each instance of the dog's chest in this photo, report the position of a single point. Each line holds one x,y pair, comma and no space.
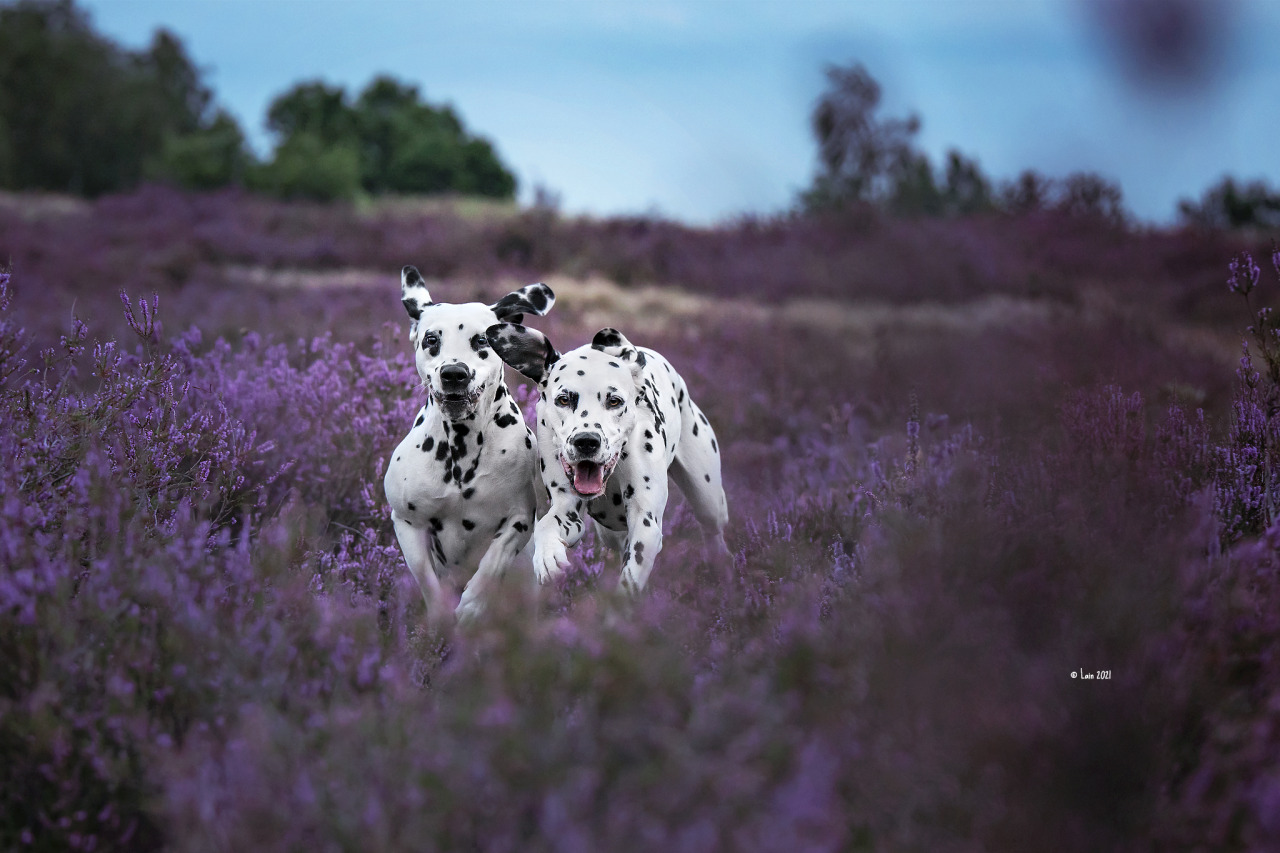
610,509
460,470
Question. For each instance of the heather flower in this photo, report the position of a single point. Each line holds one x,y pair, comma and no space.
1244,274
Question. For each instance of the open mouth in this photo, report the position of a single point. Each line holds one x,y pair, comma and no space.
586,477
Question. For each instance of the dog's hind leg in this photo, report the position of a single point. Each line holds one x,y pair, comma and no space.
415,543
696,471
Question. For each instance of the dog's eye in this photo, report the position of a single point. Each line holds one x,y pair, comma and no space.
479,342
563,401
431,339
613,402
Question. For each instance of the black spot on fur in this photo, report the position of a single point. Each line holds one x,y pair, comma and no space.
617,499
428,444
436,524
419,421
466,495
503,421
648,447
411,506
707,477
631,490
468,524
520,526
695,429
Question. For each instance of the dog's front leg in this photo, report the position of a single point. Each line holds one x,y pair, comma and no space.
415,543
555,532
509,540
644,537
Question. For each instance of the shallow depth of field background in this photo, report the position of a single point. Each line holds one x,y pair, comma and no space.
980,438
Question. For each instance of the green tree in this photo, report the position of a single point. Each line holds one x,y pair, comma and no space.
206,158
315,109
306,166
80,114
401,142
967,190
1229,205
859,153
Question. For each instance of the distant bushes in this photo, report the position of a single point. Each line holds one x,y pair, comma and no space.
1232,205
867,159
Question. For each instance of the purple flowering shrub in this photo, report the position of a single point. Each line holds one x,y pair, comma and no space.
153,554
208,639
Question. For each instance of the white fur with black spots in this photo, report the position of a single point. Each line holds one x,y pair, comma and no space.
613,421
462,485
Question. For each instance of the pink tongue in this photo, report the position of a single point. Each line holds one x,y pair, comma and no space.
587,478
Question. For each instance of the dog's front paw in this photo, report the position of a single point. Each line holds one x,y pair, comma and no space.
469,610
550,559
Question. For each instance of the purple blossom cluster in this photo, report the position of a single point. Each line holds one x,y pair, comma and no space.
208,639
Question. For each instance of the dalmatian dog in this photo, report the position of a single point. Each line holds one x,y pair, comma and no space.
614,420
462,484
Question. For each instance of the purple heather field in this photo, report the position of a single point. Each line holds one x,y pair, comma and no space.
969,461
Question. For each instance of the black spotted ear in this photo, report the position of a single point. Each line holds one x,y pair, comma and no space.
413,292
530,299
616,344
527,350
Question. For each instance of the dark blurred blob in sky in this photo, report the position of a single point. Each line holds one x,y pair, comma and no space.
1171,47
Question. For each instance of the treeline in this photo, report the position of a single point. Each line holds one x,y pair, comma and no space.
82,115
869,160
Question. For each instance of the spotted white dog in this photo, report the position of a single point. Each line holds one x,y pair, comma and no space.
462,484
613,421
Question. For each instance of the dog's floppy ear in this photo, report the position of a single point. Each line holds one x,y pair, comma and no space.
413,291
527,350
616,344
530,299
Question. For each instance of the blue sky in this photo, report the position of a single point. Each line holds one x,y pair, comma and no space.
698,110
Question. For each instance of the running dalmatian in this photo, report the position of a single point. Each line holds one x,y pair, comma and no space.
462,484
613,421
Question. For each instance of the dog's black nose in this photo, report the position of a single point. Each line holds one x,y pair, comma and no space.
454,376
586,443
